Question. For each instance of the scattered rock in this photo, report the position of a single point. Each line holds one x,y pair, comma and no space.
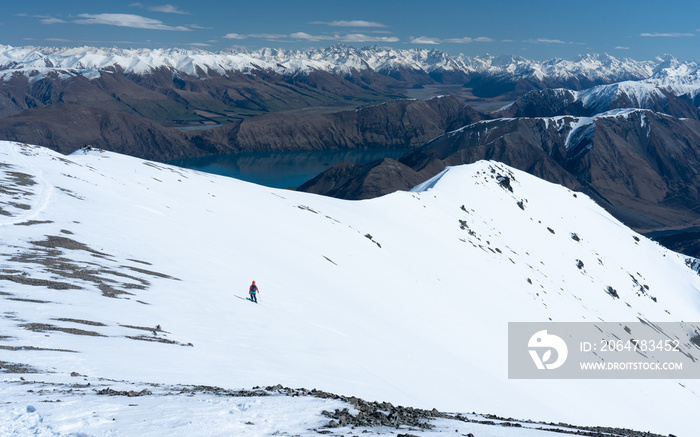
33,222
504,181
130,393
380,414
44,327
695,340
369,236
158,340
16,368
82,322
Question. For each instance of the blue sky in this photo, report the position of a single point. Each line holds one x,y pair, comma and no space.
535,29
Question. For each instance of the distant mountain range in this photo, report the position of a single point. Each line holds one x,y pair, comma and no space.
103,93
339,59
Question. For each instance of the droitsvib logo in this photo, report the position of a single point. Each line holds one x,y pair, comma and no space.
546,343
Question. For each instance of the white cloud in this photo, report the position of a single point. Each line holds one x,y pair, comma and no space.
350,37
267,35
667,35
51,20
351,23
463,40
549,41
425,40
254,35
308,37
126,20
359,37
621,48
168,9
346,37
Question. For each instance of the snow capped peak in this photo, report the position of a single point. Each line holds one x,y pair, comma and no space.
666,61
640,94
339,59
581,129
677,78
592,67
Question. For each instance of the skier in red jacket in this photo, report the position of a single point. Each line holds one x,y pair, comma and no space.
253,292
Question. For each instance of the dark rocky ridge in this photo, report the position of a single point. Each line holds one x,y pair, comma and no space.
394,124
558,102
74,111
511,87
363,181
172,98
546,103
66,128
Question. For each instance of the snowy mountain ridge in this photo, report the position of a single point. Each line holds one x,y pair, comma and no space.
652,94
641,94
564,123
398,298
90,61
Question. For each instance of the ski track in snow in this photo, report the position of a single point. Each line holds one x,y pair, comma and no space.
41,196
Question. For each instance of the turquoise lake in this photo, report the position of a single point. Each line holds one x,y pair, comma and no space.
283,169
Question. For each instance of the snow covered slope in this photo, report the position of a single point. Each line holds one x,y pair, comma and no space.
600,98
645,94
403,298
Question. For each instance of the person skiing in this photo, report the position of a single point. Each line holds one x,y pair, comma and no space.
253,292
